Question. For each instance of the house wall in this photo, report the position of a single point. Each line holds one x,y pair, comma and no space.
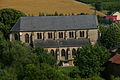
93,35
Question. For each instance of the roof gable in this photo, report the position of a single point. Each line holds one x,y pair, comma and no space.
43,23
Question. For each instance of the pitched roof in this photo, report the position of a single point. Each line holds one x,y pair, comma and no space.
61,43
115,59
43,23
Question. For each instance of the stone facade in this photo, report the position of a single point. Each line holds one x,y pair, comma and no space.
91,34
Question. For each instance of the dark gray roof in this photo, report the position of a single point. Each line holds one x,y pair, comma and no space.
48,23
61,43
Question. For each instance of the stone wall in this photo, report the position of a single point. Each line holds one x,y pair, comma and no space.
92,34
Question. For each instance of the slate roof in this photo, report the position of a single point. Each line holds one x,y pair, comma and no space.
61,43
49,23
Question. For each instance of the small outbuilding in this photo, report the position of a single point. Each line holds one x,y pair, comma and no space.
113,67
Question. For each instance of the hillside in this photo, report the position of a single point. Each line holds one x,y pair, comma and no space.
110,5
47,6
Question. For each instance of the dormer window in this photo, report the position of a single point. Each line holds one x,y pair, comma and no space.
39,35
60,34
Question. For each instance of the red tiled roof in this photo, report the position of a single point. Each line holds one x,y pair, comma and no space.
115,59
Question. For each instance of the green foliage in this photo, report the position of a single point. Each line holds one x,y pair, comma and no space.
60,14
91,78
90,60
13,52
9,16
115,78
67,70
44,57
21,62
75,73
110,37
110,5
42,72
98,6
6,75
33,72
5,30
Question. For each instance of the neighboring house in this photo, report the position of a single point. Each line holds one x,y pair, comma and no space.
113,67
115,17
118,16
113,64
112,18
115,59
61,36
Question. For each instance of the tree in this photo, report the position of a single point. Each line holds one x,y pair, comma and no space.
42,72
33,72
111,36
75,73
13,57
5,30
9,16
44,56
90,60
56,14
97,6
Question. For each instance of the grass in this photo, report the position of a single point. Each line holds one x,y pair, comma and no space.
34,7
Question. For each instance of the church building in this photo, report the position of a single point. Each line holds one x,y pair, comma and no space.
61,36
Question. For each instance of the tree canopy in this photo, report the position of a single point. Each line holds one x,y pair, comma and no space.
9,16
44,56
110,37
18,59
90,60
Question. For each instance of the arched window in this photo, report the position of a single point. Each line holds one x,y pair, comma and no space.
16,36
78,50
73,52
62,52
27,38
52,52
56,53
66,55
